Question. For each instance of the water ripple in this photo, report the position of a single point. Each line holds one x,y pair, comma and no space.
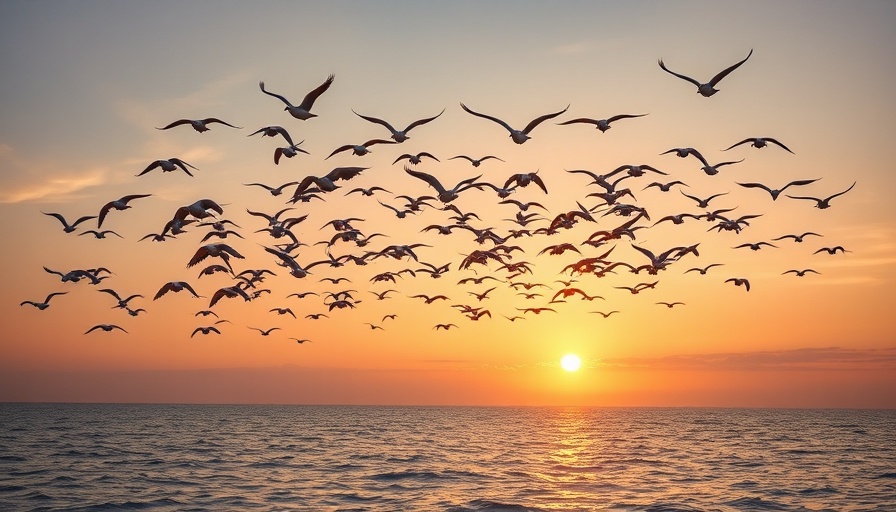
174,458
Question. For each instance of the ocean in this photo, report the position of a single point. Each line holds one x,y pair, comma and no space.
114,457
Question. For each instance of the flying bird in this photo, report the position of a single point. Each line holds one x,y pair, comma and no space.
68,228
831,250
99,234
288,151
518,136
200,125
476,162
175,286
302,111
823,204
360,149
414,159
400,135
170,165
265,332
759,142
327,183
118,204
776,192
739,282
601,124
709,88
105,327
273,131
797,238
445,195
42,305
205,330
800,273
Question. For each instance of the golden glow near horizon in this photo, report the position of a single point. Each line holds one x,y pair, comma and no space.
80,123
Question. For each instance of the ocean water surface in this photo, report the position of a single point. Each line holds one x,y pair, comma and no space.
359,458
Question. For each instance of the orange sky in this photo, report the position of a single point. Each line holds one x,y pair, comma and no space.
89,83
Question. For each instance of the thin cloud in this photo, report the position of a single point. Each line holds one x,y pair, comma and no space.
571,48
797,359
42,181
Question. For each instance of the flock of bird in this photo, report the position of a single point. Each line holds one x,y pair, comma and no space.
607,217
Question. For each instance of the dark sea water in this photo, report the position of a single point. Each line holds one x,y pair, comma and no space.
329,458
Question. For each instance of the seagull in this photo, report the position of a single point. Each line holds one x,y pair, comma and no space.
522,180
776,192
754,246
601,124
68,228
415,159
288,151
399,135
170,165
605,315
797,238
831,250
360,149
367,191
122,302
398,213
231,292
476,162
518,136
282,311
105,327
445,195
157,237
739,282
670,305
703,203
100,234
800,273
200,125
712,170
302,340
709,88
175,286
273,131
118,204
275,191
444,326
42,305
760,142
222,251
302,112
703,270
825,203
205,330
328,183
265,332
665,187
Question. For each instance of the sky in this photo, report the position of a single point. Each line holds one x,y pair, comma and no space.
86,85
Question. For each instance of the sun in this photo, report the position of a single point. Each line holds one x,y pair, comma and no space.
570,362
